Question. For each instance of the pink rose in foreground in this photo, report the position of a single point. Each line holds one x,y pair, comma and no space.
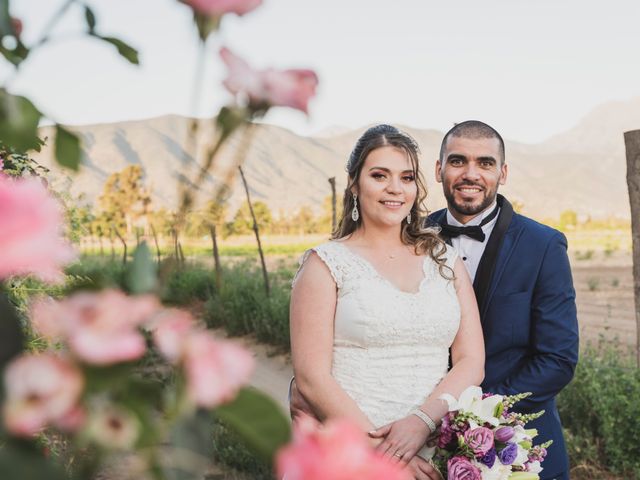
31,240
215,369
170,332
287,88
337,451
460,468
41,390
99,328
215,8
480,440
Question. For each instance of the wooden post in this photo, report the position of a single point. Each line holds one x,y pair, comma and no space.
256,231
155,240
216,257
632,144
124,244
332,182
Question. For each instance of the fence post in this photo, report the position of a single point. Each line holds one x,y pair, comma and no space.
632,144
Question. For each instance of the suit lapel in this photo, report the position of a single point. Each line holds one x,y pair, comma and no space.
492,256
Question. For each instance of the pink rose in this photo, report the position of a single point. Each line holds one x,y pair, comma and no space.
480,440
287,88
99,328
41,390
337,450
460,468
170,330
215,8
215,369
31,222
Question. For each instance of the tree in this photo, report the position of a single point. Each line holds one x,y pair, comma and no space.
243,223
568,220
125,199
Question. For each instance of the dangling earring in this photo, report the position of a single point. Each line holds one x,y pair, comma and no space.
355,215
409,218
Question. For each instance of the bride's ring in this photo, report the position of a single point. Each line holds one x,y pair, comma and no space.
399,455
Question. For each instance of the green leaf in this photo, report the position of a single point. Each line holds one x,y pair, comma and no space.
26,464
206,24
128,52
19,120
258,421
67,148
142,274
90,19
5,19
11,337
191,448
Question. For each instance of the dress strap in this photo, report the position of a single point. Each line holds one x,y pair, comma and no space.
332,256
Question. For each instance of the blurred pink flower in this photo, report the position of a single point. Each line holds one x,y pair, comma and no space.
338,450
170,329
99,328
215,8
113,427
31,223
41,390
287,88
215,369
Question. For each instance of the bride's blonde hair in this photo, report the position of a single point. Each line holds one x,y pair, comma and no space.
425,240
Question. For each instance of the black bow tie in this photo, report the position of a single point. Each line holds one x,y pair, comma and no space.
475,232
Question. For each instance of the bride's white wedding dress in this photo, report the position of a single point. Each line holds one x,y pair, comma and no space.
391,347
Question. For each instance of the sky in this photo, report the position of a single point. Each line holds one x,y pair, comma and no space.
531,68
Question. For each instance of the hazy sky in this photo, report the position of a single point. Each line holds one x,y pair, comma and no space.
532,68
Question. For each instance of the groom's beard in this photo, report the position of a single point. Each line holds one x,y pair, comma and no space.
469,208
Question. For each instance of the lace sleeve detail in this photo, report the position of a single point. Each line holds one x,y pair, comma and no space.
451,256
331,258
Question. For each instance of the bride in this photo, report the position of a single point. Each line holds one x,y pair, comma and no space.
375,311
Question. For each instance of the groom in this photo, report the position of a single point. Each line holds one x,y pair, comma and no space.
521,277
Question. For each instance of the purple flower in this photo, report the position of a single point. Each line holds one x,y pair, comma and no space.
508,454
480,440
489,459
460,468
504,434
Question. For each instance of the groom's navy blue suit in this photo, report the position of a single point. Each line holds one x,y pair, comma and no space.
527,308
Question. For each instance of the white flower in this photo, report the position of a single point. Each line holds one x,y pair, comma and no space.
497,472
534,467
471,401
522,457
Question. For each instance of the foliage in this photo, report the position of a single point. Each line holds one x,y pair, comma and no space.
242,306
243,223
601,412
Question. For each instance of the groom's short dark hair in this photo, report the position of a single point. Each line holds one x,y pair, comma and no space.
472,129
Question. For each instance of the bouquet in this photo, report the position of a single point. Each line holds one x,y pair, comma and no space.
480,438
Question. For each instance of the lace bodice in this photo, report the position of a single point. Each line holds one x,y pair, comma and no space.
391,348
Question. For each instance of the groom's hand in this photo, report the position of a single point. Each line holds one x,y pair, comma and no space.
402,438
298,405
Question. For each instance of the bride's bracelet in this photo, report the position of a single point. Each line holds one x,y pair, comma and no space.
425,418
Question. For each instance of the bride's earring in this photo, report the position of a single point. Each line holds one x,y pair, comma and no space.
409,218
355,215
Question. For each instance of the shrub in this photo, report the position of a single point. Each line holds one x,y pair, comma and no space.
601,412
242,306
191,282
230,452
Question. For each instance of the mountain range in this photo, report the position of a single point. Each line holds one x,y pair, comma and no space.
582,169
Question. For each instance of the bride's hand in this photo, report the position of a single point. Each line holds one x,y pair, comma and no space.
402,438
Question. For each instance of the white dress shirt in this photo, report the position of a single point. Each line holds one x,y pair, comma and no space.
470,250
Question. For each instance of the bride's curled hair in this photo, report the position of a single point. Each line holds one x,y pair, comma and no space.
425,240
